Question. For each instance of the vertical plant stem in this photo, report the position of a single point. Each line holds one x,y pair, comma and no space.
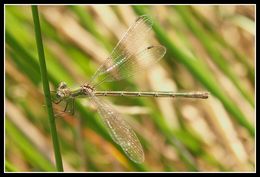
46,88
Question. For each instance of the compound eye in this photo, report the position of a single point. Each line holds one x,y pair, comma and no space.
60,94
62,85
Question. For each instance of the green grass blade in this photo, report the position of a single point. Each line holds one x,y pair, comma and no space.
10,167
209,45
88,22
218,38
35,157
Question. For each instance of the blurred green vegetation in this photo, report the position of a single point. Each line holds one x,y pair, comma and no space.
209,48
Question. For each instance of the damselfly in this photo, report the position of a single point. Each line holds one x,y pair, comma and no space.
131,54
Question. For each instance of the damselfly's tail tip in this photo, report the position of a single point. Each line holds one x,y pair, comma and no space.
199,94
205,95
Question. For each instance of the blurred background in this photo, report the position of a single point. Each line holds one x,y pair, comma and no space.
209,48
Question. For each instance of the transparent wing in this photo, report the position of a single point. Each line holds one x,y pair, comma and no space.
129,66
132,53
119,130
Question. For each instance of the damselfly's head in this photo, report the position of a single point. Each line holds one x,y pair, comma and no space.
63,97
63,91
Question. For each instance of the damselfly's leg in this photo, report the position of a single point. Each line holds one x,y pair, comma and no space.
73,107
54,98
57,102
66,106
69,107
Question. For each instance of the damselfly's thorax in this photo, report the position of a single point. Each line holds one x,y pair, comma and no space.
87,89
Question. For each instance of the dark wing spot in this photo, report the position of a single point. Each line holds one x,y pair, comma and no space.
150,47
